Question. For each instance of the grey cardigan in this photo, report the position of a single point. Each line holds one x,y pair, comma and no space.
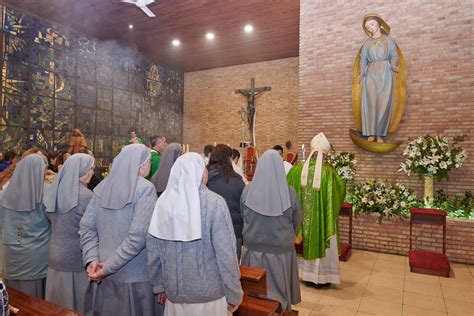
271,234
202,270
64,248
118,237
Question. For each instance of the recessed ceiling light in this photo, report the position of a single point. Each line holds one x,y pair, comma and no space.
210,35
176,42
248,28
130,26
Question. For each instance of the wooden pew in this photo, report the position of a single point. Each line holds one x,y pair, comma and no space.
254,284
33,306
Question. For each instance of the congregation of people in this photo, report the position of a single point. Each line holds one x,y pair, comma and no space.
165,232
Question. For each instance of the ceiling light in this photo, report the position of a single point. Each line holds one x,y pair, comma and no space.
210,35
130,26
176,42
248,28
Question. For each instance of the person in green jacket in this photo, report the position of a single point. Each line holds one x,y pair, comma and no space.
157,145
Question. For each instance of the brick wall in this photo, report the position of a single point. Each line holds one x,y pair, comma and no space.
211,105
436,38
392,236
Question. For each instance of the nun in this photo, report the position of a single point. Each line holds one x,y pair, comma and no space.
191,249
272,216
168,157
65,201
113,235
26,229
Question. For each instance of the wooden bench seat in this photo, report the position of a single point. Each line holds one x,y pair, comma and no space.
33,306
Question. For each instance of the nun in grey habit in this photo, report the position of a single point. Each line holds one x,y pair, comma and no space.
65,201
272,215
113,235
26,229
168,157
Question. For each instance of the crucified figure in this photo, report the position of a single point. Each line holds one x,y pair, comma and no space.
251,94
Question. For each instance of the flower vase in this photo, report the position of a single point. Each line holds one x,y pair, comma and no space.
429,191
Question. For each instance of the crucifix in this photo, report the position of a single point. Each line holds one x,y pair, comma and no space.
251,94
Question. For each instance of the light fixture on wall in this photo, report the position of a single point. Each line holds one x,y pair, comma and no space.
130,26
210,35
248,28
176,42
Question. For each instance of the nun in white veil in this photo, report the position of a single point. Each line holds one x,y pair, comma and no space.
191,245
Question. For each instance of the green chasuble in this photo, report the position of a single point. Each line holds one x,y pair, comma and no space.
320,208
155,162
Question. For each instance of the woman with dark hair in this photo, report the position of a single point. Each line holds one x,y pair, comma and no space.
224,181
52,158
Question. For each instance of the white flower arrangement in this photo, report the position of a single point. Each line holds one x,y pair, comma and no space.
432,156
386,199
344,163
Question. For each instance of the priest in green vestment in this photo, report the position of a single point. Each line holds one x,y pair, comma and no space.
321,192
157,144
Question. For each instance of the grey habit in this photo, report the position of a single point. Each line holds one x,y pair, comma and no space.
65,201
271,220
113,231
168,157
26,229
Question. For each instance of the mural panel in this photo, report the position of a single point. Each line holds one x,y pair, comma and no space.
54,80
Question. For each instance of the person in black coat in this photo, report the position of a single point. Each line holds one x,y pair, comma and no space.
224,181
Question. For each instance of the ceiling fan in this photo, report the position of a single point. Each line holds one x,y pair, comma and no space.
142,4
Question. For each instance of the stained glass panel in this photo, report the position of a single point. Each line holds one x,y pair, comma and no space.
120,125
85,119
15,78
121,80
42,82
85,94
85,69
122,101
64,115
14,138
15,49
41,112
15,22
104,97
65,87
104,74
14,110
104,122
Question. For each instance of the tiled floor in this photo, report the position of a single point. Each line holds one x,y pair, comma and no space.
382,284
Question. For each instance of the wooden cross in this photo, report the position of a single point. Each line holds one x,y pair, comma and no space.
251,93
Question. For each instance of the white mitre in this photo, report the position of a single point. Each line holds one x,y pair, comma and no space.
319,144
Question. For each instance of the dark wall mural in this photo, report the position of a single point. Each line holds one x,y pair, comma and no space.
54,80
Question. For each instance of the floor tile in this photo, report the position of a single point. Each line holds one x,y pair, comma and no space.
409,310
458,307
378,307
458,294
427,288
387,280
392,258
384,293
320,309
424,301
